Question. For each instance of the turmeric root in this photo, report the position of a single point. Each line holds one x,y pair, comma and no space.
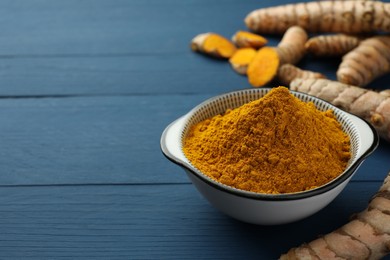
291,48
244,39
368,104
351,17
288,72
367,236
335,45
263,67
385,92
241,59
213,45
366,62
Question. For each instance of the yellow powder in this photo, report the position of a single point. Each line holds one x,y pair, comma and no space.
276,144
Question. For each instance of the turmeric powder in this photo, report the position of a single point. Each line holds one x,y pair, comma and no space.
276,144
368,104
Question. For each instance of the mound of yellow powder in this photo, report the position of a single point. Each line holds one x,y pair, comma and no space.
276,144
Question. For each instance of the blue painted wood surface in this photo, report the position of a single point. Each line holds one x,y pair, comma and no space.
86,89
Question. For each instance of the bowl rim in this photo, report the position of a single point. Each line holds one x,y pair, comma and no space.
263,196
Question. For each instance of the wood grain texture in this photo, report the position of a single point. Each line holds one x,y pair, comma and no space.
184,73
110,47
86,89
148,222
122,47
103,139
79,140
103,27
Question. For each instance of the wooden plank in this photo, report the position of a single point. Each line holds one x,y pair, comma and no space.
114,27
149,222
112,47
102,47
85,140
184,73
115,139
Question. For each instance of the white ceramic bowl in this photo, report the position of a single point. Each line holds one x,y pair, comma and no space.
257,208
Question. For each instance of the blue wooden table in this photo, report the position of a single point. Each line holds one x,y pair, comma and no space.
86,89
